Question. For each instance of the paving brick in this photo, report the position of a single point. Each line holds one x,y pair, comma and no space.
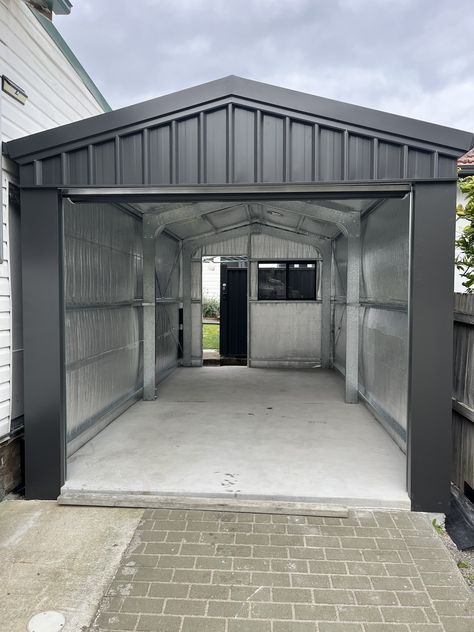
153,575
445,593
454,608
202,525
113,621
270,551
197,549
358,543
234,550
325,567
401,570
262,518
169,590
359,613
203,624
376,598
231,577
292,595
458,624
371,532
263,610
432,553
337,530
431,615
170,525
241,527
411,598
433,566
321,541
391,583
366,568
157,548
289,566
287,540
402,614
250,593
351,581
381,556
129,589
333,596
157,623
308,580
228,609
315,612
112,604
190,576
152,536
182,536
269,528
209,591
426,627
174,561
216,538
326,626
142,604
250,564
185,607
386,627
248,626
252,538
304,553
294,626
271,579
345,555
391,544
440,579
143,560
214,563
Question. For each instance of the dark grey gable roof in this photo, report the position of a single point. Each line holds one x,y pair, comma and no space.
451,141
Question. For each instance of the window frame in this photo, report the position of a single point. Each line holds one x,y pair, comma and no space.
288,263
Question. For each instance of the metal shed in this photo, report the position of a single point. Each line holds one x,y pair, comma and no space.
118,210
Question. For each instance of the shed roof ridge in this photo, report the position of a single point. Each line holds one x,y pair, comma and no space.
233,85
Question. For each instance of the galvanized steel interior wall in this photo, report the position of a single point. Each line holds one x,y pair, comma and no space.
167,286
103,324
383,315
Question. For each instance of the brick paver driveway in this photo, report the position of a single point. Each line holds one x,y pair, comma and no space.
193,571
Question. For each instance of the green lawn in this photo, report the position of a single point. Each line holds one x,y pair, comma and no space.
210,336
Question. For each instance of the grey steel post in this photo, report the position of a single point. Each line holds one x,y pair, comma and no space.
187,309
326,253
352,313
431,298
149,309
43,336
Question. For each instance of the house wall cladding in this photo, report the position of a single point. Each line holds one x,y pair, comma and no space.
383,315
103,324
237,142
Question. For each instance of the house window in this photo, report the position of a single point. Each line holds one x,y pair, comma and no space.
287,281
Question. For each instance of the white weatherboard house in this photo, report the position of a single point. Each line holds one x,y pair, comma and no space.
43,86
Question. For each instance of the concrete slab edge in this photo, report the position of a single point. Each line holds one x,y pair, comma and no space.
316,507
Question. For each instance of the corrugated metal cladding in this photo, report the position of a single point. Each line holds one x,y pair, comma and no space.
383,343
245,143
103,325
167,266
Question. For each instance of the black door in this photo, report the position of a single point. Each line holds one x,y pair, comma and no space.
233,332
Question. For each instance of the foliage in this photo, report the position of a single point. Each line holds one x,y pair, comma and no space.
210,307
465,243
210,336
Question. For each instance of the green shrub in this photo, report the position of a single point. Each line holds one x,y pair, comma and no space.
465,242
210,307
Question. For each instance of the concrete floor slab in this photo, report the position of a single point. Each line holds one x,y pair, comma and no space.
58,558
246,433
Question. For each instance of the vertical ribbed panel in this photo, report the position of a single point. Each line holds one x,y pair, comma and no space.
103,328
235,144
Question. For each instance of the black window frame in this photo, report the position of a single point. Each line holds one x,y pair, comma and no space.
288,263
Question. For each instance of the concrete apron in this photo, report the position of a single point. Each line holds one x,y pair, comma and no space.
248,440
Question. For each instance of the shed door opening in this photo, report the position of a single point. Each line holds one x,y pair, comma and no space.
233,333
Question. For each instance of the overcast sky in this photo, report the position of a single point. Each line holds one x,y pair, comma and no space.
411,57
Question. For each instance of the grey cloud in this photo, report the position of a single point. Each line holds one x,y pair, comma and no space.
412,57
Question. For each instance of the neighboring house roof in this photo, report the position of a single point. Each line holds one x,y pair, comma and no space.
466,163
72,59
